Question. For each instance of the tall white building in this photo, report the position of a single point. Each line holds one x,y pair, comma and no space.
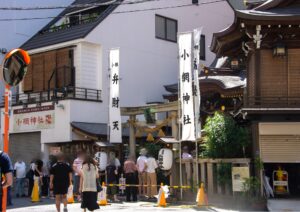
64,98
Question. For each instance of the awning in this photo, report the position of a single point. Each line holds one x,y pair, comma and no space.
94,130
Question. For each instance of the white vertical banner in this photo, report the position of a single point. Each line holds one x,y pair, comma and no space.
115,123
196,88
186,90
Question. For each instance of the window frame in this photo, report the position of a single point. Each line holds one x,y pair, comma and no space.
165,28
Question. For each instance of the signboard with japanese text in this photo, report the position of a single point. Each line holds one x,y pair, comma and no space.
115,123
31,119
186,89
239,174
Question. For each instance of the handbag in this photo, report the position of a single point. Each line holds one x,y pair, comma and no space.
98,185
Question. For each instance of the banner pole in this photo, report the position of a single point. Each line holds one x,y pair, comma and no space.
179,137
6,136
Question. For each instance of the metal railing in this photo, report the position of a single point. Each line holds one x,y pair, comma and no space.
272,102
57,94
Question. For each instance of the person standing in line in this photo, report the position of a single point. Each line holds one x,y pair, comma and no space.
60,180
45,179
77,165
6,169
112,178
29,176
130,171
151,176
142,175
88,187
20,173
38,174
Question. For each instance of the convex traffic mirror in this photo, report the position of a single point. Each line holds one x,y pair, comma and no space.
15,66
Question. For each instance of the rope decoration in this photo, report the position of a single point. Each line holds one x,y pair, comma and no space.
150,130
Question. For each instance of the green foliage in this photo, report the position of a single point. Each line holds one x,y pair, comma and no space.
258,163
224,174
251,188
224,138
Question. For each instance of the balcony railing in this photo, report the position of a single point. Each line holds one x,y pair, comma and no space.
271,102
57,94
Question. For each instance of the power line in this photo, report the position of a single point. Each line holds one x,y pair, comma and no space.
112,2
119,12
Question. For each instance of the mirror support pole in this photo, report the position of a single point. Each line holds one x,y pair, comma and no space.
6,136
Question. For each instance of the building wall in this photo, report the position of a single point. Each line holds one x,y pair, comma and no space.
66,111
147,63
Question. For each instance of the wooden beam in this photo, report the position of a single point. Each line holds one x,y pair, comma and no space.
159,108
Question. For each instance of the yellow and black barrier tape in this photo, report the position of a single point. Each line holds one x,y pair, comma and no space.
134,185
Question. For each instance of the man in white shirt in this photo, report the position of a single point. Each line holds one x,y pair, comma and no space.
151,166
77,165
20,170
141,167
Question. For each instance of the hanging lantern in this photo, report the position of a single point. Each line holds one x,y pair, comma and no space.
165,159
161,133
150,137
101,158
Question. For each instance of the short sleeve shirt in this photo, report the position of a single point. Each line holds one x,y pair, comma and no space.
5,163
78,164
151,165
61,171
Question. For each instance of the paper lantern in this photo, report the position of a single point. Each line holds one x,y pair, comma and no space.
150,137
165,159
101,158
161,133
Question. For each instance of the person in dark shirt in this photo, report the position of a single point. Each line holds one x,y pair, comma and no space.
60,180
112,177
6,169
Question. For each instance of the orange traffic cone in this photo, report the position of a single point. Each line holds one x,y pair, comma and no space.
161,197
35,197
102,196
201,197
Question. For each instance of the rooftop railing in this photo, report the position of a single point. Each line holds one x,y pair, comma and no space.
57,94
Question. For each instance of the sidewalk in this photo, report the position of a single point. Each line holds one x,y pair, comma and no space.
47,205
284,204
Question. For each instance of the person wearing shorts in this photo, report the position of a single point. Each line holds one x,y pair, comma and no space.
60,180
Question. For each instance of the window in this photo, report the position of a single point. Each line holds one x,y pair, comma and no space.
165,28
202,47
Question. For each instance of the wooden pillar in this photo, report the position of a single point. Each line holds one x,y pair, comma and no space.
210,178
174,179
203,173
195,172
132,143
219,187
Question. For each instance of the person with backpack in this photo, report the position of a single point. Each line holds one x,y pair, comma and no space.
6,170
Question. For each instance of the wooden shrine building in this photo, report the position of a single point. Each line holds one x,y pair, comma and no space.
267,37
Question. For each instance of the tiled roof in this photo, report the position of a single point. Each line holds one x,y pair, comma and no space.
43,38
95,129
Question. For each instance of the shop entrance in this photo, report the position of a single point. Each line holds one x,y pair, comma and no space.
293,171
